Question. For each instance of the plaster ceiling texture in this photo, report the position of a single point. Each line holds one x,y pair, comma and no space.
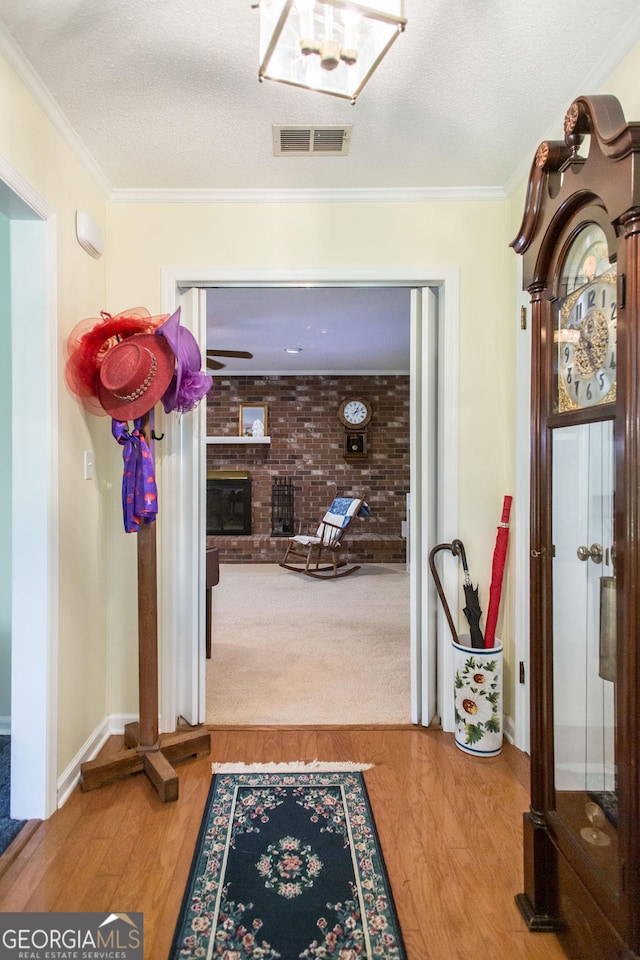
164,95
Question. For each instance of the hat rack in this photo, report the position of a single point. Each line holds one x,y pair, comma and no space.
123,365
143,749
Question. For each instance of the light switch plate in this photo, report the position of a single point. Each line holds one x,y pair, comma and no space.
88,465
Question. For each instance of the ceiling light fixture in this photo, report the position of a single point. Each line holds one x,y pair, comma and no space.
293,349
332,46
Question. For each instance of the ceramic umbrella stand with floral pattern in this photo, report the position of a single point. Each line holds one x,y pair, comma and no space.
478,697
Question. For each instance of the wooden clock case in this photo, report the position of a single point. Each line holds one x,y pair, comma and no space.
595,913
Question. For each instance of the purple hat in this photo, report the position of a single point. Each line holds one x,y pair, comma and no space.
189,384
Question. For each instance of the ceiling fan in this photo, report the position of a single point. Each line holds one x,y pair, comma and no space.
214,364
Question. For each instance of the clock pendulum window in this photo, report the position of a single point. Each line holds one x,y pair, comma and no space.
355,414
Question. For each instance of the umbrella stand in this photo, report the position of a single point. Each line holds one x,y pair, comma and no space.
477,672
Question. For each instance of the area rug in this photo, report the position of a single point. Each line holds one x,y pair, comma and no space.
288,866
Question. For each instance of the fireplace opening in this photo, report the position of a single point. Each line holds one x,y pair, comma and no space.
228,506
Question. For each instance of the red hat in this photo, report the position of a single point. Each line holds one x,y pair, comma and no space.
90,341
134,374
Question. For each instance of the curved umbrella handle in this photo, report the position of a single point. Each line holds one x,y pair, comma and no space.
457,549
434,573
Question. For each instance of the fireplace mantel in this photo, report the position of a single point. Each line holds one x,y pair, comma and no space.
244,440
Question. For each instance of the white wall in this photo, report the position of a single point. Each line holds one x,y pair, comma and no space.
5,476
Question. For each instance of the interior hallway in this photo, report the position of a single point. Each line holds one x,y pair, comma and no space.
449,827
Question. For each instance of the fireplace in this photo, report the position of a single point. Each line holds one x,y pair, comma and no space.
228,505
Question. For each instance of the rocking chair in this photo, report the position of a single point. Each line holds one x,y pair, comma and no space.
319,555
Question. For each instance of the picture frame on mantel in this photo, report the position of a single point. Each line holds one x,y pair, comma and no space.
252,421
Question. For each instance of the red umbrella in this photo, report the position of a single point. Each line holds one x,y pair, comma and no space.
497,571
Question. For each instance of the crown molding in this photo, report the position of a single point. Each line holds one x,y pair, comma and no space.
17,60
341,195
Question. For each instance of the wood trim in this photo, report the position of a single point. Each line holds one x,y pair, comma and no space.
602,188
627,528
174,279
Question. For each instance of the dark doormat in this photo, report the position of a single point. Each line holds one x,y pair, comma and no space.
288,866
9,829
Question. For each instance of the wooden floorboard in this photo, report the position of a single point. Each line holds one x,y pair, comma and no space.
450,827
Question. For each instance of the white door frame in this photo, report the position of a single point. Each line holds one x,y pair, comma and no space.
179,566
34,507
423,406
522,446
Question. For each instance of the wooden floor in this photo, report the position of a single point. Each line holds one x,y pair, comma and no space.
450,828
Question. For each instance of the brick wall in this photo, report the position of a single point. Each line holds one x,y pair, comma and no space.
307,445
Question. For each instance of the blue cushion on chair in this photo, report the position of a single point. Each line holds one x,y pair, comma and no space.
340,513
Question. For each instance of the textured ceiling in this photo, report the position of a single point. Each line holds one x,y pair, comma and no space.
164,93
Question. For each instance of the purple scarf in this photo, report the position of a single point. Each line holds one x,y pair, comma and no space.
139,491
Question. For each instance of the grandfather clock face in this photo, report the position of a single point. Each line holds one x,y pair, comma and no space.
586,325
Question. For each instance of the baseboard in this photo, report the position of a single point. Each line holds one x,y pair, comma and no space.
5,726
114,725
509,729
109,727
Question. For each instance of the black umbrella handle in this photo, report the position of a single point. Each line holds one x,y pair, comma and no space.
436,577
457,549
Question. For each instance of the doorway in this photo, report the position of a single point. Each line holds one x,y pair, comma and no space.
183,467
29,616
285,648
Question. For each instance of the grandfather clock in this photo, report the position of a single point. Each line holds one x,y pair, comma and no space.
580,243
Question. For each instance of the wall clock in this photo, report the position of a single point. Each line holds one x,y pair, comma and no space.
580,242
355,414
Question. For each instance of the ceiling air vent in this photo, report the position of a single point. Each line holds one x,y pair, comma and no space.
304,141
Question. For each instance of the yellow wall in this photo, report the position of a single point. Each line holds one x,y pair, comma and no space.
33,148
421,237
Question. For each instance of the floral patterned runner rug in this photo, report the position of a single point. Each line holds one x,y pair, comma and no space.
288,866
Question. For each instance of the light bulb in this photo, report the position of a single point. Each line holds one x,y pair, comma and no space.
329,54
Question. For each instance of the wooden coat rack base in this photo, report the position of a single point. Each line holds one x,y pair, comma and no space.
156,762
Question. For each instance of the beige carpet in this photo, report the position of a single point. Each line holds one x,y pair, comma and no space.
288,649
